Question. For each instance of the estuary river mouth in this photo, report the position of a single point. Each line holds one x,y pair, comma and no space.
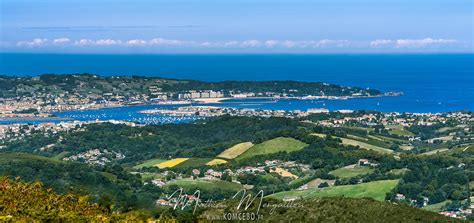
133,112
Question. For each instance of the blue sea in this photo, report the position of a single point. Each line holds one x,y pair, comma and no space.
430,82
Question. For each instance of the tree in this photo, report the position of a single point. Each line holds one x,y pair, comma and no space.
323,184
225,176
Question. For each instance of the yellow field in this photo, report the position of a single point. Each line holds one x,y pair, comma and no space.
235,150
216,162
171,163
284,173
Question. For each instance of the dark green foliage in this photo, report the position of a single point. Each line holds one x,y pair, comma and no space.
438,178
32,202
200,139
66,177
84,84
334,209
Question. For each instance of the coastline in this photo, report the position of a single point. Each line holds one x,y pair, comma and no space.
308,97
35,119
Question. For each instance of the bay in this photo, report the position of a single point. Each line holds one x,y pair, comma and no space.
430,82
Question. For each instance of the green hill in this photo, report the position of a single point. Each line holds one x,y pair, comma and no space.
235,150
65,177
149,163
32,202
375,190
194,162
351,171
363,145
280,144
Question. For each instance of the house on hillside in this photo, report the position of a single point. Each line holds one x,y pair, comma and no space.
363,162
196,172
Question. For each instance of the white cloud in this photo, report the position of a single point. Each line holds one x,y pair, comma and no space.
381,42
84,42
231,43
136,42
289,44
161,41
209,44
332,43
422,42
107,42
61,41
250,43
33,43
271,43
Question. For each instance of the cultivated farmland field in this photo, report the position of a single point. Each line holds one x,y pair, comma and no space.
363,145
436,207
194,162
235,150
149,163
399,130
351,171
280,144
284,173
216,162
375,190
171,163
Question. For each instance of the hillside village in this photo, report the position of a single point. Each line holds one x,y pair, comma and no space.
39,96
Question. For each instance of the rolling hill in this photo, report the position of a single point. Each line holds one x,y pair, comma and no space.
235,150
280,144
351,171
375,190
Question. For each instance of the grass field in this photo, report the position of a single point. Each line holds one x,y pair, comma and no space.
300,181
357,138
445,129
171,163
436,207
354,142
27,156
275,145
60,156
433,152
194,162
235,150
464,149
316,182
189,184
150,176
375,190
399,130
365,145
216,162
351,171
390,139
149,163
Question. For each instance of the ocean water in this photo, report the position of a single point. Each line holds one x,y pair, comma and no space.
430,82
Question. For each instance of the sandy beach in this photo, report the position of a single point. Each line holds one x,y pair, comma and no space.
210,100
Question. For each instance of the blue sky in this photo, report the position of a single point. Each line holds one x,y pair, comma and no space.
225,26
